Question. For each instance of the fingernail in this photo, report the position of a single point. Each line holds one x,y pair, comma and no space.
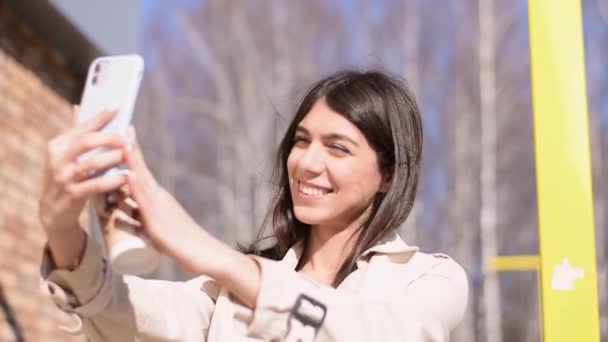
131,203
126,172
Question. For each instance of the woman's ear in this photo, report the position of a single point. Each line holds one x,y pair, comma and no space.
385,184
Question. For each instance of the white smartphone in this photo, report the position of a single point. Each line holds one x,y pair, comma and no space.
112,81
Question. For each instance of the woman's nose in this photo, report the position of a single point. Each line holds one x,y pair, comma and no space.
312,160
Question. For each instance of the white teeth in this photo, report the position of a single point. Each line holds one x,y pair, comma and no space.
311,191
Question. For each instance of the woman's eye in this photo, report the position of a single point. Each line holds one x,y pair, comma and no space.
339,149
299,140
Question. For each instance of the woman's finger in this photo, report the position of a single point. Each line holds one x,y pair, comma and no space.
97,122
124,190
138,193
126,218
77,130
142,185
75,112
82,170
90,141
98,185
138,158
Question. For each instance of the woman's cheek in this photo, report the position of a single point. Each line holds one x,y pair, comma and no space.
292,162
290,168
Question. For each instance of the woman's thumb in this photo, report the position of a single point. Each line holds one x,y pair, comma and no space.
75,112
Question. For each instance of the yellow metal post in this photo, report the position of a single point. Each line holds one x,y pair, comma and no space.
563,172
515,263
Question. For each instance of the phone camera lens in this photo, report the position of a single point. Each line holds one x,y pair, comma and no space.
94,80
97,67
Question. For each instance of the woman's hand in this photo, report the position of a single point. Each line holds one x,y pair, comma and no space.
165,223
67,184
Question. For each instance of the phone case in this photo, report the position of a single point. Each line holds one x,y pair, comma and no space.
112,81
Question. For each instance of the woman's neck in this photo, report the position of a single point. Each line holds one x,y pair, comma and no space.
325,251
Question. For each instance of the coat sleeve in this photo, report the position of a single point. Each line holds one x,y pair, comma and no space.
428,308
110,306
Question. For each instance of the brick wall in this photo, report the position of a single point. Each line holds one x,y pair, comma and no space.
36,89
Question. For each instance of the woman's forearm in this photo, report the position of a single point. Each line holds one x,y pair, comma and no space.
241,276
67,247
238,272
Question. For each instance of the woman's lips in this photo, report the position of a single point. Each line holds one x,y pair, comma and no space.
312,191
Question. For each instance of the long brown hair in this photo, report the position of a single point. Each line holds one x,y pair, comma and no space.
385,111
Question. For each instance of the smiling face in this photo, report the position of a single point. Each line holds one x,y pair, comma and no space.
333,171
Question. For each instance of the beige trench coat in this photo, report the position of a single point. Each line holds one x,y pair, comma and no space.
396,294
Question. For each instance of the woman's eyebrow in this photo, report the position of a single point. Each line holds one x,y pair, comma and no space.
330,136
301,129
338,136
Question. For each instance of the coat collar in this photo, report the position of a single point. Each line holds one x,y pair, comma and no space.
390,244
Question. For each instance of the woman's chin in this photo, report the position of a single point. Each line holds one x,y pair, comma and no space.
310,216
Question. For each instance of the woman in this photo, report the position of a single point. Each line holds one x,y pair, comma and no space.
347,174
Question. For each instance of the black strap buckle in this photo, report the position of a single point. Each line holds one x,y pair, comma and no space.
309,311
